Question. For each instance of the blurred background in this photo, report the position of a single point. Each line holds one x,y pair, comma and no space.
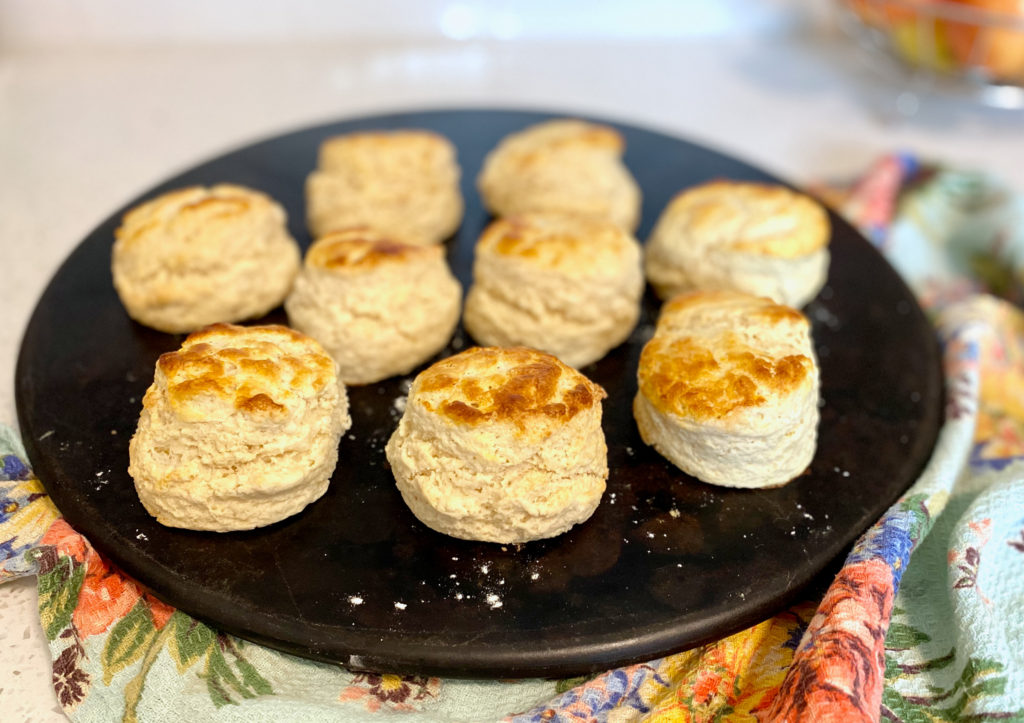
101,99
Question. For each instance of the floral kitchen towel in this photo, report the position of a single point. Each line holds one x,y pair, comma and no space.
921,624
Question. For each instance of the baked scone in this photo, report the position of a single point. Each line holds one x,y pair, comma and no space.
501,445
404,183
239,429
561,165
568,285
198,256
379,307
761,239
728,389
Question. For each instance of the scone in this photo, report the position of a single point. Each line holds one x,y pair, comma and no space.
501,445
728,389
761,239
199,256
239,429
561,165
404,183
568,285
379,307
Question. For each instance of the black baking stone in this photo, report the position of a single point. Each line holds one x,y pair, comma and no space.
665,563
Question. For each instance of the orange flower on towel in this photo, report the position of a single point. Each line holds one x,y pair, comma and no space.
160,611
106,595
706,686
65,540
837,674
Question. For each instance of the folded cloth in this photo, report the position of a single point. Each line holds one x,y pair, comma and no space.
921,622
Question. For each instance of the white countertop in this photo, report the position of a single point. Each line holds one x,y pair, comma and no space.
83,128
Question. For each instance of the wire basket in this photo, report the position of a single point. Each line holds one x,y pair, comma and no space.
946,44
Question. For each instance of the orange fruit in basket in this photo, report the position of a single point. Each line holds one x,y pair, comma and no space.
996,47
923,42
887,13
911,28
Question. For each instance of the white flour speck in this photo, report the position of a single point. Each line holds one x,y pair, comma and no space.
356,600
535,576
494,601
399,403
484,569
673,512
142,536
400,606
651,535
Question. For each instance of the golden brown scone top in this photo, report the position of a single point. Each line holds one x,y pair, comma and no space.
492,385
361,249
564,242
536,142
718,353
748,217
406,151
193,214
256,371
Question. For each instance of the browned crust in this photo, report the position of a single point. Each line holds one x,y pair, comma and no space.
221,205
680,376
554,239
490,384
567,133
375,139
523,236
246,367
366,147
692,374
762,308
360,248
803,224
223,200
